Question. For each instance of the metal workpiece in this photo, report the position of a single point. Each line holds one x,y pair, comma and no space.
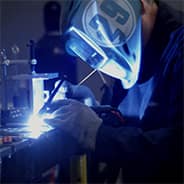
22,89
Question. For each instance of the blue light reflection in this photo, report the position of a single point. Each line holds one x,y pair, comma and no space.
36,125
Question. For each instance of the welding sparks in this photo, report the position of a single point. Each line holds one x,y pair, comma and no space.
37,125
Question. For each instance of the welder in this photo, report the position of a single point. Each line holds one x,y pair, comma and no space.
140,43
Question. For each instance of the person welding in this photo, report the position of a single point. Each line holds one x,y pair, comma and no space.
140,43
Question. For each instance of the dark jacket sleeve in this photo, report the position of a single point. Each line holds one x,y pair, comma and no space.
158,150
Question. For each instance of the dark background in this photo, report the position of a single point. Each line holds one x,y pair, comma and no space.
22,20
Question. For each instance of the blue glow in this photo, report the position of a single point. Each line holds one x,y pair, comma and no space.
36,125
118,62
107,36
88,102
112,67
38,94
61,93
86,48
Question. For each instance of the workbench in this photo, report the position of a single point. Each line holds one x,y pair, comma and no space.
42,160
28,160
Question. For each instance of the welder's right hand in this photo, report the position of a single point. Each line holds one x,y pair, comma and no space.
81,93
76,119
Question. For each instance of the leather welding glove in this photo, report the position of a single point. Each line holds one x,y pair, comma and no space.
81,93
76,119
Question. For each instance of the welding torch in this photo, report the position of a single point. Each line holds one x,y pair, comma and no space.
51,97
55,90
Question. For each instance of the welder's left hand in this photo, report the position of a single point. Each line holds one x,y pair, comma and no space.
77,119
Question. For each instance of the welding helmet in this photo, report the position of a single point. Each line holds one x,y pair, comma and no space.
106,34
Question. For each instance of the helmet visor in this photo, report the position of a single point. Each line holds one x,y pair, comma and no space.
108,38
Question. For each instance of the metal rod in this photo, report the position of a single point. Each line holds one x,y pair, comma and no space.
85,78
102,77
44,108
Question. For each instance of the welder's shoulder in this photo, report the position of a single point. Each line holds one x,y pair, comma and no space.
173,56
178,50
177,42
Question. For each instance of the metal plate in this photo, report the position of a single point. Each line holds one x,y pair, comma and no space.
39,76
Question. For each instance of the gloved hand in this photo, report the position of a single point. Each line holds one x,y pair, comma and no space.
79,92
77,119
